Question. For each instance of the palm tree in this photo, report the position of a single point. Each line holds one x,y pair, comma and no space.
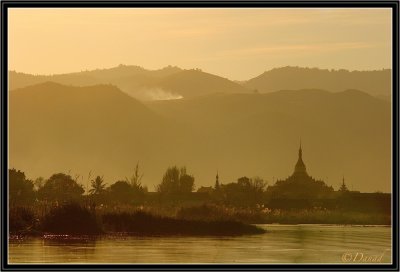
98,186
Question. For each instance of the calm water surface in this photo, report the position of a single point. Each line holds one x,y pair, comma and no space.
281,244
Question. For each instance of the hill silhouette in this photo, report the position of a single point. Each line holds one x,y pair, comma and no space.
343,133
192,83
57,128
166,83
293,78
54,127
172,82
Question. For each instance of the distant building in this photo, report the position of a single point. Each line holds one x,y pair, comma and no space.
343,188
217,181
300,184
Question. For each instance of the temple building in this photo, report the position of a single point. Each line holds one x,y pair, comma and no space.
300,184
343,188
216,182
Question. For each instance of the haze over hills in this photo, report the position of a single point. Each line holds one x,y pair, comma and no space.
377,83
346,133
163,84
174,83
57,128
84,78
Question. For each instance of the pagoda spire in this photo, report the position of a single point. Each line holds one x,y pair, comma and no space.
300,166
300,151
217,181
343,188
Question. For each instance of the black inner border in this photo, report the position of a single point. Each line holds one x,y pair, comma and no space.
392,4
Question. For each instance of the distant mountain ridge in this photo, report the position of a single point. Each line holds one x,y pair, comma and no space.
377,82
172,82
166,83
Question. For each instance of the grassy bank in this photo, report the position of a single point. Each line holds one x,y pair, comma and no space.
141,223
73,219
294,216
217,220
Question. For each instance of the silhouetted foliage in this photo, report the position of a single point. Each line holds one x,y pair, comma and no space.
176,181
70,219
257,184
141,223
20,190
135,180
38,183
298,199
21,219
98,192
137,189
245,192
61,188
203,212
120,192
98,186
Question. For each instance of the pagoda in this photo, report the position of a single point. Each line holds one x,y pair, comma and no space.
300,184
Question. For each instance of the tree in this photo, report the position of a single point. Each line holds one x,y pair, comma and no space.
244,182
20,189
98,186
245,192
38,183
61,188
135,181
186,183
258,185
176,180
121,192
97,191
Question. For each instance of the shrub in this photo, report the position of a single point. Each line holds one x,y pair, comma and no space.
21,219
71,219
203,212
141,223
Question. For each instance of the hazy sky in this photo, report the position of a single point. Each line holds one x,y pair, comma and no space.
234,43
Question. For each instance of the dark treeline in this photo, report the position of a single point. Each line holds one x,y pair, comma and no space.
176,187
249,200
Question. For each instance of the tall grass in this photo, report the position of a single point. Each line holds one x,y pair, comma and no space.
142,223
263,215
22,219
71,219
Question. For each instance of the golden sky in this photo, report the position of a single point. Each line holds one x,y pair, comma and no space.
233,43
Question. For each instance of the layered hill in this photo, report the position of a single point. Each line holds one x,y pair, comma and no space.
377,83
56,128
163,84
84,78
192,83
174,83
346,133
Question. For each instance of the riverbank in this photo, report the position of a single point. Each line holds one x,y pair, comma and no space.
217,220
280,216
73,219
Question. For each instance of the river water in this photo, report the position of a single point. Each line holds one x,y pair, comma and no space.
281,244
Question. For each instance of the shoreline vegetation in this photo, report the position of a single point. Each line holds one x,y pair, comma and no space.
74,219
61,206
